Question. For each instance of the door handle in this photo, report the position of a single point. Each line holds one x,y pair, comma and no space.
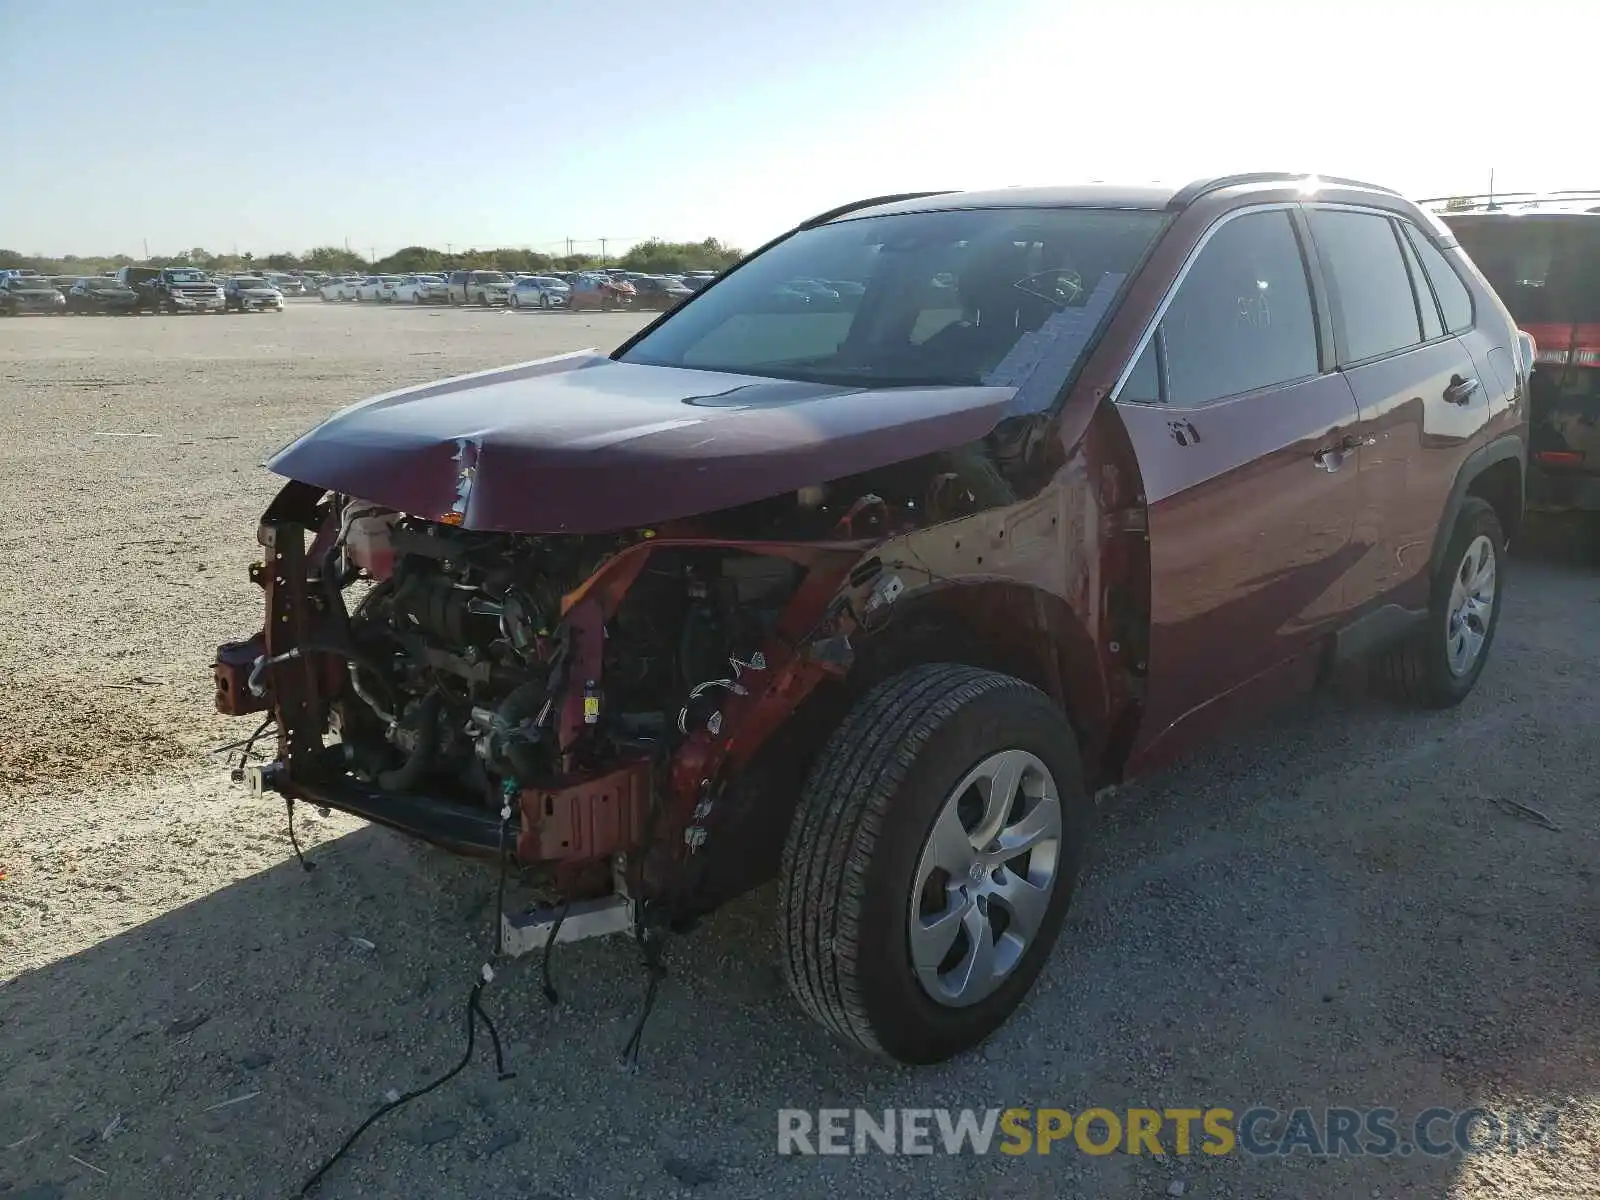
1460,390
1329,458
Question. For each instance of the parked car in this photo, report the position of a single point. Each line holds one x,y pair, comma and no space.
97,294
21,294
876,599
539,291
251,293
378,288
596,291
287,285
660,293
143,282
1542,255
341,289
173,289
421,289
479,287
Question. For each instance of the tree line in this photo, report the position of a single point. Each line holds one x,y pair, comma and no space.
652,257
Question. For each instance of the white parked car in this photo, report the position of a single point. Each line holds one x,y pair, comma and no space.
341,289
539,291
378,287
421,289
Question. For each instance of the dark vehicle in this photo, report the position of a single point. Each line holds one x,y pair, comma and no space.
251,293
174,289
97,294
29,294
656,292
143,282
598,291
1542,255
876,598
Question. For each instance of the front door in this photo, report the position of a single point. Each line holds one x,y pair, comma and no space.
1247,453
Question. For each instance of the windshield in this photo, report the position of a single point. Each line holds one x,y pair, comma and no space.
941,298
250,281
544,281
1546,268
189,276
488,277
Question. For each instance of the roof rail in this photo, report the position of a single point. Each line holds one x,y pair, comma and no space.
870,202
1188,195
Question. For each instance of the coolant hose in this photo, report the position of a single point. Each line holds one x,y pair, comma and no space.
409,773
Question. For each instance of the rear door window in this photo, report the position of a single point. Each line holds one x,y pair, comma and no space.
1242,318
1454,299
1371,286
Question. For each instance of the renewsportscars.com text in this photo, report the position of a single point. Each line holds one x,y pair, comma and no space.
1259,1132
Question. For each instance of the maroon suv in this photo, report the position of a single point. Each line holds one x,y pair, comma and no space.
877,595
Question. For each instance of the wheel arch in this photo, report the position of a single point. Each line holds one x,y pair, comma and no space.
1495,472
999,625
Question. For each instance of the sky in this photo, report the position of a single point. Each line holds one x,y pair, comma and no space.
384,123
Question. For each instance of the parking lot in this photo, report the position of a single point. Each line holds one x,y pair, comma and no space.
1345,907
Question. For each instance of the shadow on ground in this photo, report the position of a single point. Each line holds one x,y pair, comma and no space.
1331,910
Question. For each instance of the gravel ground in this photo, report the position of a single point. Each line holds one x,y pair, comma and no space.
1332,910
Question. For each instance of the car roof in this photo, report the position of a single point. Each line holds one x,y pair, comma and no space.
1152,196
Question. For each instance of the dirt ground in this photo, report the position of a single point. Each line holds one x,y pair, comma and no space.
1335,909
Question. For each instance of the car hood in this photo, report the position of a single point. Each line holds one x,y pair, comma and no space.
584,444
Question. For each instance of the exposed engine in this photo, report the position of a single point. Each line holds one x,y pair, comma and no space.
462,664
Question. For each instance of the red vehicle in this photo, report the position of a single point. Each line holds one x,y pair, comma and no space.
1541,253
595,291
877,597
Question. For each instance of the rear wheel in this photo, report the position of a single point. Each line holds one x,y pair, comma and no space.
931,861
1440,664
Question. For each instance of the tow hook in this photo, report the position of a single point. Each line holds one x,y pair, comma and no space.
261,778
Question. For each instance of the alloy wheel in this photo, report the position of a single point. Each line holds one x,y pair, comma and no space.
1472,597
985,878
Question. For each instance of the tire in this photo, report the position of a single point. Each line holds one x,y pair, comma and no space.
514,302
854,863
416,298
544,302
1426,669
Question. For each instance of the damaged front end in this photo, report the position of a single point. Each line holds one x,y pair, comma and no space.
602,688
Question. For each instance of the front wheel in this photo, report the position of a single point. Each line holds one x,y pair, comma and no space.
1439,665
931,861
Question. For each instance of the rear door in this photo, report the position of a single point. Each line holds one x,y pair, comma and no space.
1421,396
1239,425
